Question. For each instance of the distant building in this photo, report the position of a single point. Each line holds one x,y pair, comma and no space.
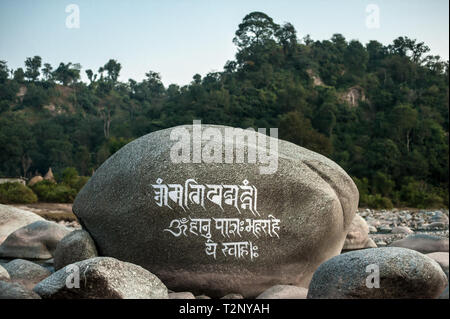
13,180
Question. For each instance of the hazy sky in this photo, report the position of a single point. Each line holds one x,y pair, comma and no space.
181,38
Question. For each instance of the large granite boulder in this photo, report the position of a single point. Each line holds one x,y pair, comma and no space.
12,218
378,273
37,240
102,278
218,227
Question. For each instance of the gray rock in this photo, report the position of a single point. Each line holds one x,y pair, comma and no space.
37,240
284,292
4,274
75,246
13,290
358,235
402,230
423,243
181,295
385,229
202,297
102,278
381,243
442,259
314,199
403,273
12,218
26,273
439,217
436,226
372,229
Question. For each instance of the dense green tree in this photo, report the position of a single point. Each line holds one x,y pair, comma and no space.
32,68
67,73
47,71
112,67
257,28
19,75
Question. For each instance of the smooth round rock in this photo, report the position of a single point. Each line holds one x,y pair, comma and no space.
102,278
358,235
12,218
26,272
37,240
423,243
402,230
13,290
311,196
284,292
403,274
75,246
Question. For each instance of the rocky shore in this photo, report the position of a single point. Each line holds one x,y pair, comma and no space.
387,226
27,272
149,226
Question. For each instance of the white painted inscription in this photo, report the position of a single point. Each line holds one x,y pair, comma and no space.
241,197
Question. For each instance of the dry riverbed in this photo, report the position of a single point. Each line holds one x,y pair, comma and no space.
57,212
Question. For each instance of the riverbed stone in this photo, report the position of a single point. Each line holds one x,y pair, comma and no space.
75,246
14,290
26,273
12,218
102,278
423,243
358,235
312,197
403,273
37,240
402,230
439,217
4,275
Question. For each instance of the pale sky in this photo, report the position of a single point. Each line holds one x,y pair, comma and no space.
179,38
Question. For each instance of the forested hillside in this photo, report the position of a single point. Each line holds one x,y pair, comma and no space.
381,112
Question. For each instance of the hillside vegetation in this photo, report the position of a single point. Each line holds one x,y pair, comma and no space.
381,112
